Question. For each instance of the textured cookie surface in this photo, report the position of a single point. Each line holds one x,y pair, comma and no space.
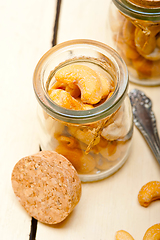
47,186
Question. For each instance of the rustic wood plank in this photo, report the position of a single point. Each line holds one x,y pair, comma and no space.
84,19
25,35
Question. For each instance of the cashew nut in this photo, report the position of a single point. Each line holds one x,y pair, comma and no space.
128,33
73,90
143,66
148,193
153,233
107,85
85,78
83,134
64,99
84,163
129,51
85,106
57,85
117,127
114,150
146,43
68,141
123,235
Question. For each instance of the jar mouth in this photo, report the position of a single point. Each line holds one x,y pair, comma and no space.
82,116
144,12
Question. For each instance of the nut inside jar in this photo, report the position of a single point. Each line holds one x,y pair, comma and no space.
138,42
95,147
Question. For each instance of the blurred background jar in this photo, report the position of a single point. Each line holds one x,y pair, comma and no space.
135,30
96,141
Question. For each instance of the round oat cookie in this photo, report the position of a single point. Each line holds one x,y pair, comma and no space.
47,186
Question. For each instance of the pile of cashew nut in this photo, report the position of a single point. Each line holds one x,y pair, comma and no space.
90,147
81,85
138,42
147,194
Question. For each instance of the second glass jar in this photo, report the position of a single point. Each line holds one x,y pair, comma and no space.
135,30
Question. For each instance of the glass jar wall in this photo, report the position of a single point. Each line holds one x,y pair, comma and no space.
97,139
135,30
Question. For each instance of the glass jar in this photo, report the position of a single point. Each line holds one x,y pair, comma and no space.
96,141
135,30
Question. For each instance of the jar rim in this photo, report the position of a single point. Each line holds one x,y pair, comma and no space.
138,12
82,116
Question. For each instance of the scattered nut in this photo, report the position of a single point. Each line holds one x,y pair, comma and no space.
153,233
149,193
123,235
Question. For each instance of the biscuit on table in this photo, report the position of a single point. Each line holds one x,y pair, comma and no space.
47,186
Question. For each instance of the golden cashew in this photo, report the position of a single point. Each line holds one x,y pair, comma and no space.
148,193
73,155
130,52
64,99
85,106
117,127
73,90
83,134
128,33
155,55
143,66
69,141
107,85
85,78
83,163
57,85
154,28
145,43
114,150
87,164
153,233
127,50
111,151
70,88
123,235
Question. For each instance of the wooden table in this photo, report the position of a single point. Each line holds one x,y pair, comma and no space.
26,29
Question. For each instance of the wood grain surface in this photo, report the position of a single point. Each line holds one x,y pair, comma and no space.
26,29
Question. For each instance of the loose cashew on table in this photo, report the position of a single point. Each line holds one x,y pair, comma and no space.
152,233
123,235
149,193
